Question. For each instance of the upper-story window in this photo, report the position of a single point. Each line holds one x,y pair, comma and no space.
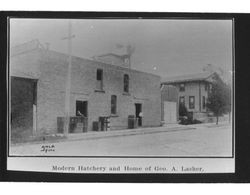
113,104
99,79
191,102
126,83
182,87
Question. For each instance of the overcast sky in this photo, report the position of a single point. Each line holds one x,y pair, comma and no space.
162,46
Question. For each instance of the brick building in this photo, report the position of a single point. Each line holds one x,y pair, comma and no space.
193,91
97,89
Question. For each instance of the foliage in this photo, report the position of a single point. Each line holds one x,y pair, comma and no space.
219,99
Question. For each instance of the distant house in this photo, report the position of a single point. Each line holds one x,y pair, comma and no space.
193,91
98,89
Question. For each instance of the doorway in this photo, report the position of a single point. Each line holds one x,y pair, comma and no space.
138,110
23,107
81,108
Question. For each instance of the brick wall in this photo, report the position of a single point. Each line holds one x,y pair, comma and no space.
144,88
27,62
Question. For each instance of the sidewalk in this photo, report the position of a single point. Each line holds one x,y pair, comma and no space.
211,125
138,131
126,132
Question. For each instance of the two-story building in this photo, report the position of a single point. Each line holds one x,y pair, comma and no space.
98,89
193,91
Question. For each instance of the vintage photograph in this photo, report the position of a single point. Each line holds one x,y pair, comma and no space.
121,88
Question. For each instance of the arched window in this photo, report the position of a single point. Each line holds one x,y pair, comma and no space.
126,83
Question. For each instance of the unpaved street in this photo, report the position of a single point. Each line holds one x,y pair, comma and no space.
202,141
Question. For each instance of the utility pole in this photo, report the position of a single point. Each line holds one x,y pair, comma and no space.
68,81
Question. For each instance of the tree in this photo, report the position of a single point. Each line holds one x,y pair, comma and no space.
219,99
228,100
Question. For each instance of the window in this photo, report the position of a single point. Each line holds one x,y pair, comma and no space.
99,74
126,83
191,102
113,104
182,100
99,79
203,102
81,108
182,87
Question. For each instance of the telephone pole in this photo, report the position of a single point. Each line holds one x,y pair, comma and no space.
68,81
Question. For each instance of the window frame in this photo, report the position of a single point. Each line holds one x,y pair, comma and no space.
126,83
113,105
82,102
99,78
191,105
182,87
100,71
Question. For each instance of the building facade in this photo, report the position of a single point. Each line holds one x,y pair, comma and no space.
193,91
97,90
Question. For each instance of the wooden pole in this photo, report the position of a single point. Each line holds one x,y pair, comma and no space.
68,81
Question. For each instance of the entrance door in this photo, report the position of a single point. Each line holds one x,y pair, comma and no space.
138,109
170,112
81,108
23,107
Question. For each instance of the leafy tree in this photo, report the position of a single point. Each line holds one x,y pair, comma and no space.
219,99
228,100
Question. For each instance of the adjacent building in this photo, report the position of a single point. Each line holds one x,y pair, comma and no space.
193,91
169,104
99,88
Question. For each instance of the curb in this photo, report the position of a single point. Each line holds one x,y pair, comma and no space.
126,132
